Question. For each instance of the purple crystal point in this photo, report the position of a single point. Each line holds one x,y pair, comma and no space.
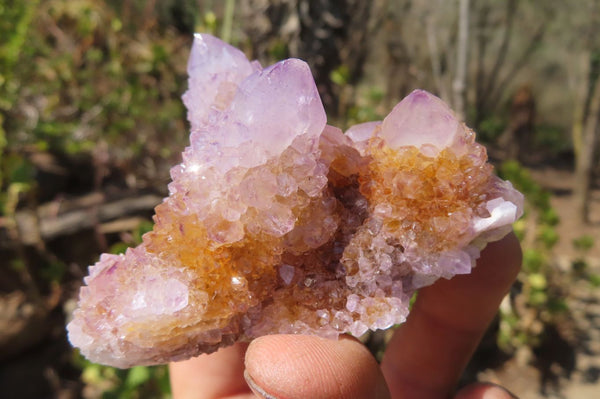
277,105
420,119
215,70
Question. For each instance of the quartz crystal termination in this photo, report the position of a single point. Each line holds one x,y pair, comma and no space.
279,223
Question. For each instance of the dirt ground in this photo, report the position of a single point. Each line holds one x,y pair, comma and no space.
566,367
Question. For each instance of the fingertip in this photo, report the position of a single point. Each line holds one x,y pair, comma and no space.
505,255
484,391
213,376
301,366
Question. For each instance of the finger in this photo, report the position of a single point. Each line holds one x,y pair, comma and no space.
301,366
429,351
219,375
484,391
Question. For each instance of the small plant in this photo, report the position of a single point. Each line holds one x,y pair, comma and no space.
548,236
583,245
491,128
594,280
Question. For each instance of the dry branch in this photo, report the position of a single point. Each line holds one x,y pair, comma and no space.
47,223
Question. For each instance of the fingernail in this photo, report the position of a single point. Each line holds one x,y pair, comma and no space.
257,390
496,392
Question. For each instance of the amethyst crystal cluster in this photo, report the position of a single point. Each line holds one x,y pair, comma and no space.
279,223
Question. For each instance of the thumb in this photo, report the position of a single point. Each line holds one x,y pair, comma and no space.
301,366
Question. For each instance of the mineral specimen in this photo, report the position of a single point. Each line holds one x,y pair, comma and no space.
278,223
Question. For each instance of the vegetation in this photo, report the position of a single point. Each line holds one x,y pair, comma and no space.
90,114
535,302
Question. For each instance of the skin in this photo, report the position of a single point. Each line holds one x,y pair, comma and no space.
424,359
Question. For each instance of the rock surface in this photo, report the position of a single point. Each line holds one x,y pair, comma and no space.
279,223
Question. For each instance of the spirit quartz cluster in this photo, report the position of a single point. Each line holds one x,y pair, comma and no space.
279,223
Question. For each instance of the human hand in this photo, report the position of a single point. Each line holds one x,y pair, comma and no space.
423,360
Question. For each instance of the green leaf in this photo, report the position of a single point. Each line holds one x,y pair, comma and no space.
519,227
550,217
53,271
413,298
537,281
143,228
548,236
118,248
137,376
557,305
340,76
532,260
538,298
584,243
91,374
18,169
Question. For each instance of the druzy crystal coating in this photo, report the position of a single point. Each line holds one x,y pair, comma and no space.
279,223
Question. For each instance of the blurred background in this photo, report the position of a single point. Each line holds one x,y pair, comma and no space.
91,120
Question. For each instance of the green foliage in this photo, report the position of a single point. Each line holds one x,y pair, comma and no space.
15,19
341,75
87,76
278,50
537,281
363,114
551,139
87,81
209,23
549,216
519,228
534,193
118,248
509,323
548,236
182,14
143,228
18,173
413,299
17,169
594,280
491,128
17,265
533,260
366,110
540,299
137,382
227,26
53,271
557,305
584,243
